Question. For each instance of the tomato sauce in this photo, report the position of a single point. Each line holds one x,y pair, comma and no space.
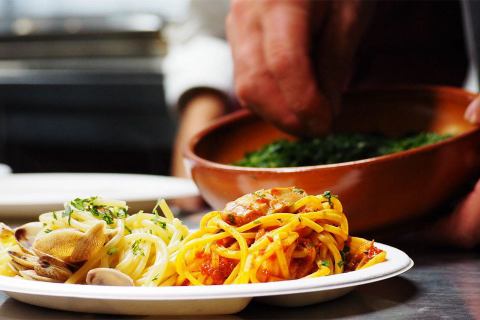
226,242
220,274
373,251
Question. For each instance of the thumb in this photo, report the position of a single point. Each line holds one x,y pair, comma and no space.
472,114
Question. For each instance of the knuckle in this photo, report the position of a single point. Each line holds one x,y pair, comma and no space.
244,88
281,63
248,84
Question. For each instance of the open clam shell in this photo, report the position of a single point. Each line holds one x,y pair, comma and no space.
71,245
27,233
51,267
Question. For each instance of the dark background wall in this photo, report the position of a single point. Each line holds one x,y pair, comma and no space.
84,121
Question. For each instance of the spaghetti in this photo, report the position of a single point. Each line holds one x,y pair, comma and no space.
142,245
271,235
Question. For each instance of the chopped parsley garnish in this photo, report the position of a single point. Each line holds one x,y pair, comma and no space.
112,251
328,195
298,191
101,209
122,213
260,194
78,203
54,213
136,248
68,213
47,230
128,229
325,263
104,215
343,253
156,219
334,148
156,277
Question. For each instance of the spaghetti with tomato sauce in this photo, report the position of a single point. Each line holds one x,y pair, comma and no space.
273,235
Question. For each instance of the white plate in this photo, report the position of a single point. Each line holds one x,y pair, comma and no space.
29,194
200,300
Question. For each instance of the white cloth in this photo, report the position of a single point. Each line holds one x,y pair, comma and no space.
198,55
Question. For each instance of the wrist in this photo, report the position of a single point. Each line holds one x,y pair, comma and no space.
203,96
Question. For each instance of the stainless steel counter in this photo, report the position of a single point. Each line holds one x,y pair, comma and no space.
440,286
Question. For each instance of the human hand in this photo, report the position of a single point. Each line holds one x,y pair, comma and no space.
272,43
461,228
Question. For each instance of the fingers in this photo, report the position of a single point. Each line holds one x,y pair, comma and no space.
472,114
286,49
340,36
461,228
255,86
274,71
285,96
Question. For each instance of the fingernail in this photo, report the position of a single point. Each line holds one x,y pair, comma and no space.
472,114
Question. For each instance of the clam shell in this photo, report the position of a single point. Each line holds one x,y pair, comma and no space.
52,268
71,245
27,233
32,275
26,260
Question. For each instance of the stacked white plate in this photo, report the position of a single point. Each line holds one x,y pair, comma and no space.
28,195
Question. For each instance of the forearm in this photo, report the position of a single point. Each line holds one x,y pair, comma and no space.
201,108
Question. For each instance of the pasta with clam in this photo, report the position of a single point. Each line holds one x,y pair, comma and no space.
142,245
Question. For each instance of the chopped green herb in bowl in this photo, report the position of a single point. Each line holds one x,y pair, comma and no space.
334,148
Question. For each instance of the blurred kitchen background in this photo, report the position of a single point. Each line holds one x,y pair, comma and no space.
81,85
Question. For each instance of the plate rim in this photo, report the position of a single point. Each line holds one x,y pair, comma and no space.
5,203
400,262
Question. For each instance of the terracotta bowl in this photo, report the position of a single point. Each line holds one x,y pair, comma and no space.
375,192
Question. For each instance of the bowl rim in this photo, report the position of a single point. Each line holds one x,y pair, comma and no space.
189,153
